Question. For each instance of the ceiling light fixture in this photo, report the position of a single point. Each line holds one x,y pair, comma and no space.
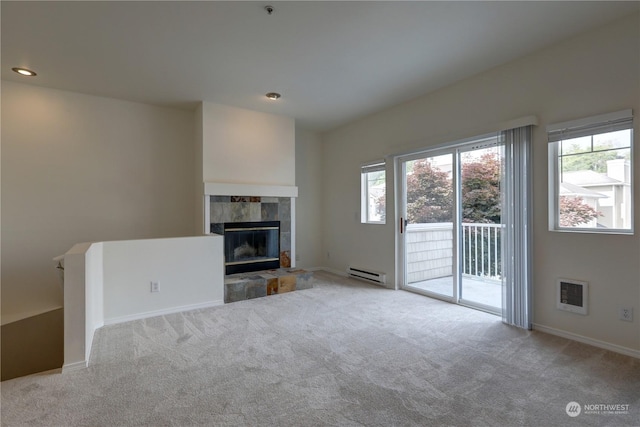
24,71
273,96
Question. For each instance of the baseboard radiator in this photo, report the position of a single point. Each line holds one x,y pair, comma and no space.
367,275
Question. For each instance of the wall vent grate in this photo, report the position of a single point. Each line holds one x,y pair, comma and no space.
572,296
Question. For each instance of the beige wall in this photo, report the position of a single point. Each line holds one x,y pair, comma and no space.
34,344
81,168
309,201
597,72
247,147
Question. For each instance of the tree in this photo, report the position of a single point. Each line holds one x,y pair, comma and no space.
574,212
595,161
429,194
481,201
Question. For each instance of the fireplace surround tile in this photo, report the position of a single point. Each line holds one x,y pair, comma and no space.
220,199
269,282
272,286
251,209
223,210
285,259
286,284
269,211
284,208
255,212
222,213
256,287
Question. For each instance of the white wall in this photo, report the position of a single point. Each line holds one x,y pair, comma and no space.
94,294
109,282
76,323
309,201
247,147
597,72
79,168
199,211
190,272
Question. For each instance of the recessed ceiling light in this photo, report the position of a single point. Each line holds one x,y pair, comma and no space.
273,96
24,71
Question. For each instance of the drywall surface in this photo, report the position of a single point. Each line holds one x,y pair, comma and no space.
81,299
594,73
247,147
199,198
188,270
110,282
33,344
78,168
309,202
94,294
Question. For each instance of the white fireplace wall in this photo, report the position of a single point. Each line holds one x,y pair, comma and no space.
244,153
247,147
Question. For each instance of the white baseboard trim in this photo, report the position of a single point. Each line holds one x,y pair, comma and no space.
155,313
328,270
586,340
345,274
75,366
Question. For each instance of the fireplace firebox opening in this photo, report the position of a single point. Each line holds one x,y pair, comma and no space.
251,246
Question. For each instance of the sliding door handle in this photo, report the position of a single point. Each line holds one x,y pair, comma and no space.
403,225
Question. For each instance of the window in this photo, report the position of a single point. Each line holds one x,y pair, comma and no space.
373,193
590,174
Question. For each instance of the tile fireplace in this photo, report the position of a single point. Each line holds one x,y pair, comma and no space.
225,210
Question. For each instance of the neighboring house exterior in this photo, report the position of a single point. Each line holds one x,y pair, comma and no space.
608,193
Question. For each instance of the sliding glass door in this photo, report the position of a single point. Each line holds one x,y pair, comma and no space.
451,223
481,226
430,236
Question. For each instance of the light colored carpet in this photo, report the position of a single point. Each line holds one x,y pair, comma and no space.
344,353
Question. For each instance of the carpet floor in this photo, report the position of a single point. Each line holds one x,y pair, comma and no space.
344,353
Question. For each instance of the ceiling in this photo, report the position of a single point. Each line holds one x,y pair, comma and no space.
333,62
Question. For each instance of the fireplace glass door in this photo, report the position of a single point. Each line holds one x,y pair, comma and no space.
251,246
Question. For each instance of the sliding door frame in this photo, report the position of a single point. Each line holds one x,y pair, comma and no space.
455,149
401,206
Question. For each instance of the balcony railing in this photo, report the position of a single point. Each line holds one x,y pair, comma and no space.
481,250
430,251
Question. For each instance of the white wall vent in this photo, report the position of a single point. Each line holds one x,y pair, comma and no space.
368,275
573,296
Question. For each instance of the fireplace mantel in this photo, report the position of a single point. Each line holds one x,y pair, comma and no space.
231,189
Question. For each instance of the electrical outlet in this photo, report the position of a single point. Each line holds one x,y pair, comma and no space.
626,313
155,286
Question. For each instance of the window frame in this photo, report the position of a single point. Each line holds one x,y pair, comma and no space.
365,170
591,126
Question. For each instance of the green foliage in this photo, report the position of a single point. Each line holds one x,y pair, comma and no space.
575,159
595,161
